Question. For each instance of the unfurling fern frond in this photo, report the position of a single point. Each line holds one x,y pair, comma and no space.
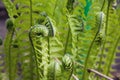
99,36
68,66
54,70
76,25
38,36
50,25
55,46
10,57
9,24
39,31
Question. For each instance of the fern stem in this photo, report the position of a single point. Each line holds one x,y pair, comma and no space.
108,8
31,55
9,55
68,35
88,54
33,50
103,5
106,26
112,56
48,49
30,12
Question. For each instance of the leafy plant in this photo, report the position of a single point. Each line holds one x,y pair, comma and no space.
61,39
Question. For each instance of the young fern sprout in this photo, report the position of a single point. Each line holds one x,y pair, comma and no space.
50,25
68,66
39,31
100,22
37,35
9,24
100,35
7,46
54,70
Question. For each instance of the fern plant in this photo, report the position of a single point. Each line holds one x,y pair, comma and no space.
61,39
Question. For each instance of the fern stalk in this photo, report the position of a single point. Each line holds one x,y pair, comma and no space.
31,54
100,22
7,44
9,55
103,5
88,55
33,50
106,27
67,39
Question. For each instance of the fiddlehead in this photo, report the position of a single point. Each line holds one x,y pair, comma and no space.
68,66
99,36
54,70
50,26
7,46
37,35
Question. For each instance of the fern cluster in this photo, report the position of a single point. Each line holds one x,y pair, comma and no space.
60,39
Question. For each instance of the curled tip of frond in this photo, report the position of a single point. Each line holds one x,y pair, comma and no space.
100,15
39,30
9,24
50,24
54,70
67,62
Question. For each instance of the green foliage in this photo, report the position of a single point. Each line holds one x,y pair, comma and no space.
60,39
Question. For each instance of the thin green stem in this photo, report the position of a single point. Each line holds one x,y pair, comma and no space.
30,12
68,35
33,50
103,5
88,54
48,49
31,55
106,26
107,17
101,57
9,55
